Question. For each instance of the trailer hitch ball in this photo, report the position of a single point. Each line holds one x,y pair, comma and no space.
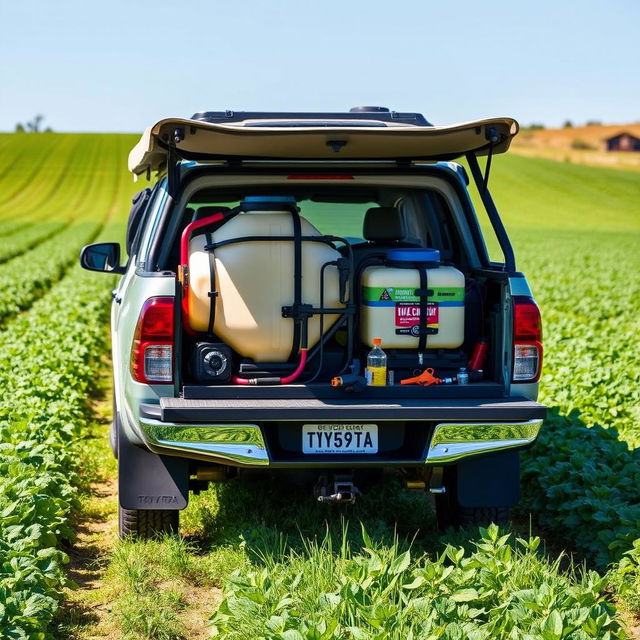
340,489
348,497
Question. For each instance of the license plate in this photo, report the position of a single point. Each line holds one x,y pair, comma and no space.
340,438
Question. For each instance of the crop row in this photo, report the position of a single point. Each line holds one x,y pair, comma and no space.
47,368
27,276
27,239
49,199
582,479
61,190
27,163
47,189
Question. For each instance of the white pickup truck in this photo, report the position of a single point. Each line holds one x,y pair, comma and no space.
270,252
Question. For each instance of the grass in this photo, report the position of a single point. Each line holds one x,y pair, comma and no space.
493,590
536,194
149,578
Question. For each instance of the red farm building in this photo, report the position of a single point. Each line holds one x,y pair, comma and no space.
623,142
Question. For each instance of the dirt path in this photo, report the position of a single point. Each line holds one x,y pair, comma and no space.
89,606
631,624
99,605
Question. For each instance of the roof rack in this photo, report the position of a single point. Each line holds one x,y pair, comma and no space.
381,114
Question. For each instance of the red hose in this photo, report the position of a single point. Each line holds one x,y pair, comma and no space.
286,380
190,228
299,370
184,260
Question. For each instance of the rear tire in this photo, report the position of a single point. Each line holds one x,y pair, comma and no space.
145,525
450,513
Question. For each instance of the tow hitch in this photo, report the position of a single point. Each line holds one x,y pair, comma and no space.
336,488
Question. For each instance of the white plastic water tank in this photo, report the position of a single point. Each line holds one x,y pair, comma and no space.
255,280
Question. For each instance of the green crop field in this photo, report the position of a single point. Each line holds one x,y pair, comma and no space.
259,560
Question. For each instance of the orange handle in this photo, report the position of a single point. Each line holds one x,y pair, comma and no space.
426,379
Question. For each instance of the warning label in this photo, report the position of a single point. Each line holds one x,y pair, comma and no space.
408,314
381,296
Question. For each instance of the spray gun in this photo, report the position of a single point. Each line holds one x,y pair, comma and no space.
350,381
427,378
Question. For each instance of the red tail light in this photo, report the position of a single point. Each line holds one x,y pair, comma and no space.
152,348
527,340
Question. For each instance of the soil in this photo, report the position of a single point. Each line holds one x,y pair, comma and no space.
87,607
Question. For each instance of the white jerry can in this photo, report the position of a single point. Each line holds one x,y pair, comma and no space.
390,308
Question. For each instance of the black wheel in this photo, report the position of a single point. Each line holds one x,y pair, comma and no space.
450,513
147,524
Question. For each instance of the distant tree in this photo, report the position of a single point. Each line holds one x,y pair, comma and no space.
34,125
582,145
19,128
568,124
594,123
48,130
535,126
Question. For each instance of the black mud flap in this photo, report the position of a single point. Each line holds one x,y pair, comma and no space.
489,481
147,481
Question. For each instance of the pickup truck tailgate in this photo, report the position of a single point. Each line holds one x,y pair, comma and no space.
179,410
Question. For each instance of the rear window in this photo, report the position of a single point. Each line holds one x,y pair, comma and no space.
425,214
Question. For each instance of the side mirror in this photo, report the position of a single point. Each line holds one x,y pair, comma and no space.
102,256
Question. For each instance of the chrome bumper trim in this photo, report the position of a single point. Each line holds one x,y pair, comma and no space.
244,444
453,441
241,444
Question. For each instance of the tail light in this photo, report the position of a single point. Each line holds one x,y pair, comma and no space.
527,340
152,348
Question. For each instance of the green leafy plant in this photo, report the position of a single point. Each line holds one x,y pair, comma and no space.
497,590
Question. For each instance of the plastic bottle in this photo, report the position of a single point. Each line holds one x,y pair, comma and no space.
376,373
463,376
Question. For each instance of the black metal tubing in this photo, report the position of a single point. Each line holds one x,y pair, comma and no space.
177,338
347,312
328,240
173,170
492,212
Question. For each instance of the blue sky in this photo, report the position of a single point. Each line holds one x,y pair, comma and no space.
119,66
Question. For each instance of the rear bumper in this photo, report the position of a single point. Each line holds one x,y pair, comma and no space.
245,434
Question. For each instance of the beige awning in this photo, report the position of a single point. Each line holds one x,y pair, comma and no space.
202,140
